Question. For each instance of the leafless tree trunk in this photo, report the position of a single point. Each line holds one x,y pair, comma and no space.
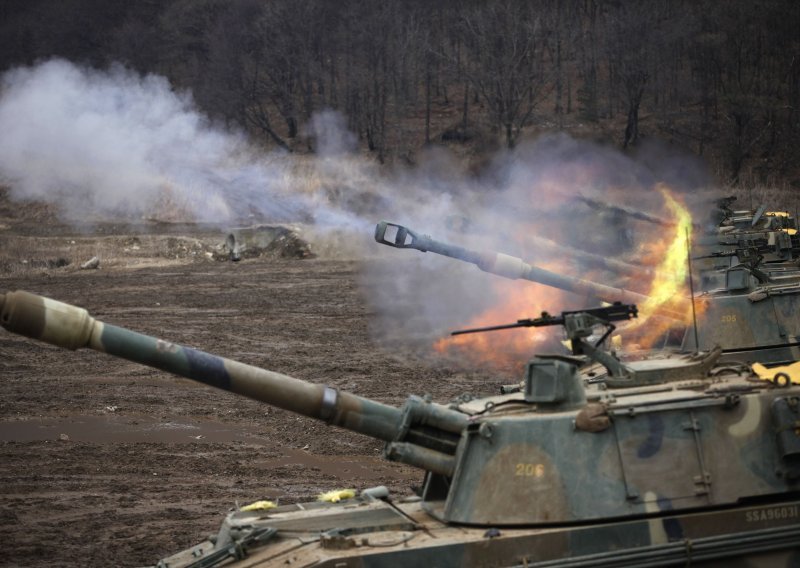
503,41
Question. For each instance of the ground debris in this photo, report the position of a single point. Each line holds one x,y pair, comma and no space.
91,264
275,241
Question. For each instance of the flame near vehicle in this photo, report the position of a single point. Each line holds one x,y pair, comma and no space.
512,348
665,253
670,280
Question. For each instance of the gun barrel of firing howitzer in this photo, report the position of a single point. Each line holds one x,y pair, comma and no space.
627,211
72,327
515,268
591,259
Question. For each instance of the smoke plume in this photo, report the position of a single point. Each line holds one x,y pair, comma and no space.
117,144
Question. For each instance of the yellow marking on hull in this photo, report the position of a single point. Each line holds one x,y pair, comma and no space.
768,374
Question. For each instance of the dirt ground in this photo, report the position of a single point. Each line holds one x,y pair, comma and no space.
106,462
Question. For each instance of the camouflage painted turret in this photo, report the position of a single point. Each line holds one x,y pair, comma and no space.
589,461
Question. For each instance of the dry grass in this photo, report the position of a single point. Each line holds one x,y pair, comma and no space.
22,254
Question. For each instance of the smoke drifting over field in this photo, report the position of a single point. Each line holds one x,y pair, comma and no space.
116,144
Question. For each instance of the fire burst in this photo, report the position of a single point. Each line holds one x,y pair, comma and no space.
670,276
667,295
512,348
668,288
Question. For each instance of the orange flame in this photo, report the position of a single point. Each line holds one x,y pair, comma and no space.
510,349
668,287
507,349
670,275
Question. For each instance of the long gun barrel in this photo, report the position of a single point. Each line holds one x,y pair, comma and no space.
464,225
512,267
591,260
421,433
627,211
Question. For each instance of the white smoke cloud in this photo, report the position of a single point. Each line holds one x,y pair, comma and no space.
329,132
115,143
106,142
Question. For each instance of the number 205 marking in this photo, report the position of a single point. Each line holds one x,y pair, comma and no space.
729,318
529,470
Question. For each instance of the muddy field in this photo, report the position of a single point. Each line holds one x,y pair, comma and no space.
105,462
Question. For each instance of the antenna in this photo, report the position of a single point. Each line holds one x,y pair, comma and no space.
691,290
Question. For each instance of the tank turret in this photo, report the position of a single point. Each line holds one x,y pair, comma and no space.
749,282
590,459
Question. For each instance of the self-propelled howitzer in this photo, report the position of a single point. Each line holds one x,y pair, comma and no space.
653,462
750,321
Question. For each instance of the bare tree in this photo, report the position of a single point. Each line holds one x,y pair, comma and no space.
629,42
562,19
587,47
721,78
504,42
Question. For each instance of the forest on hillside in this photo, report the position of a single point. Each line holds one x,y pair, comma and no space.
720,80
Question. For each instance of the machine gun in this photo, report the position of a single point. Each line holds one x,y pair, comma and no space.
615,312
580,325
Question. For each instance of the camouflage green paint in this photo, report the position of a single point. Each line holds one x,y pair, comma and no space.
72,327
736,538
662,480
749,327
718,454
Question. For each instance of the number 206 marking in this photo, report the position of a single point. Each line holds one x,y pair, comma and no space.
529,470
